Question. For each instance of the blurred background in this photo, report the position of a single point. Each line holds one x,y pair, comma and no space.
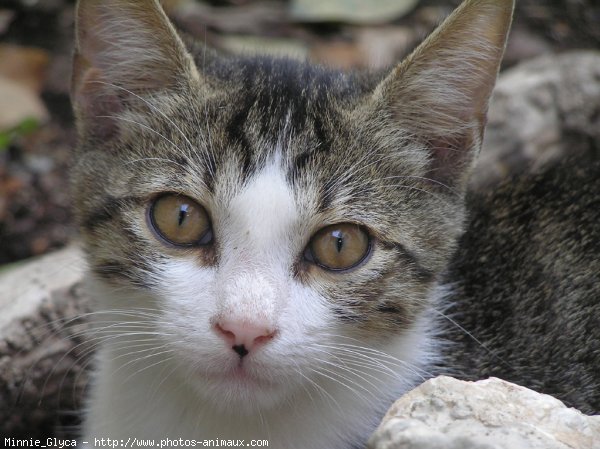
37,130
36,36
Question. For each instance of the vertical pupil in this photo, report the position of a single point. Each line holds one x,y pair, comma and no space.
183,210
339,240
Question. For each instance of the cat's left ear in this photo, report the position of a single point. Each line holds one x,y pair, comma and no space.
124,48
439,95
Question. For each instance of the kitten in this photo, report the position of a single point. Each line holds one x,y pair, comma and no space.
267,240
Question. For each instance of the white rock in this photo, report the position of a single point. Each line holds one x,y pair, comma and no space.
18,103
445,413
42,349
24,288
541,110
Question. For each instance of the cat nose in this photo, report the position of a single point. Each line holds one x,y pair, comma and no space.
243,336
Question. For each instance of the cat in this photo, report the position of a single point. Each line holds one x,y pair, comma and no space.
268,241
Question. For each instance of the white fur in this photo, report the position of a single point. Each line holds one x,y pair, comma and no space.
167,373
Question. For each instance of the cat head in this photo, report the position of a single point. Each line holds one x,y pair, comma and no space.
273,226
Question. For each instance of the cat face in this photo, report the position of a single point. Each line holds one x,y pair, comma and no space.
264,229
265,188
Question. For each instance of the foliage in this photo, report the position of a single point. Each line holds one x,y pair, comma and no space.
7,137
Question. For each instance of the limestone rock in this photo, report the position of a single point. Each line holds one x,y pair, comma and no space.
445,413
43,346
18,104
541,110
22,73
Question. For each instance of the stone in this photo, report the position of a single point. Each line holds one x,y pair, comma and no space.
446,413
19,104
541,110
43,345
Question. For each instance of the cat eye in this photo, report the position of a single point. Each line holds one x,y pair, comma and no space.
181,221
339,247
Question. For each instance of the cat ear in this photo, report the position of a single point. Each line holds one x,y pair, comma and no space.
439,94
123,48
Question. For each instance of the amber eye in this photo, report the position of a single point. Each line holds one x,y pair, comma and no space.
180,220
339,247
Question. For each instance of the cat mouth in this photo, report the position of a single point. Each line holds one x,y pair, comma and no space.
242,391
241,377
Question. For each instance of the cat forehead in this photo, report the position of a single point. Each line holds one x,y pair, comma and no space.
268,113
269,78
262,225
267,97
265,206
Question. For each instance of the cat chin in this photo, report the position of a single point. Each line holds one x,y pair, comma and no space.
240,392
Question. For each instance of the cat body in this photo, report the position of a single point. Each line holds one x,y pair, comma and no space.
267,240
524,284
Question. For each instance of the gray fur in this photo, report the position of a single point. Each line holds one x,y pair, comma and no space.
524,282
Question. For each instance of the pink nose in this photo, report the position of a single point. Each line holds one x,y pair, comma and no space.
243,336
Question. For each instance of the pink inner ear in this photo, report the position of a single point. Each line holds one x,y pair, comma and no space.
451,159
98,104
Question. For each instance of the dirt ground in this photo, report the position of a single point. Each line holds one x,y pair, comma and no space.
36,42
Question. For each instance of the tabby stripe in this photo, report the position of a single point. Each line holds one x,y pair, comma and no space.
211,171
327,196
112,270
235,130
396,314
411,260
348,316
108,210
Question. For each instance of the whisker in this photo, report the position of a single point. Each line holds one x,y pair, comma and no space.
323,373
475,339
354,372
322,391
171,122
159,159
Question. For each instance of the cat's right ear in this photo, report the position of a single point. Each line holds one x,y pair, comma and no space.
124,49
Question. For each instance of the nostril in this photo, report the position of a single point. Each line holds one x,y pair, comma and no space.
264,338
240,350
224,332
243,336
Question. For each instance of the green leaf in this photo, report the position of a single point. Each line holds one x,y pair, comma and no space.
7,137
4,140
27,126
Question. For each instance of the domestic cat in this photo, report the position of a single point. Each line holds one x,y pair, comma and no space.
268,240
